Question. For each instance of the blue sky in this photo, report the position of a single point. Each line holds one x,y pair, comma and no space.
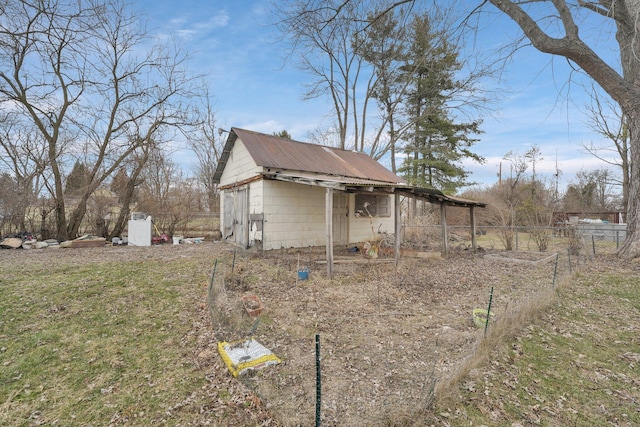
253,88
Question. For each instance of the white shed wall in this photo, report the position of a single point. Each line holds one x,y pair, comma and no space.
240,166
293,215
256,197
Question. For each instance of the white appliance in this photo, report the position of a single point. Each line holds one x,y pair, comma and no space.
139,230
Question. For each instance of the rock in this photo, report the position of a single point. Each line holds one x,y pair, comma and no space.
11,242
41,245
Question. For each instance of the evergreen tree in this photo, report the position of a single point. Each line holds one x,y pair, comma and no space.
78,179
384,48
435,142
283,134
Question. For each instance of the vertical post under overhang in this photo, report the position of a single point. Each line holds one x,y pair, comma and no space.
397,227
472,218
445,236
329,230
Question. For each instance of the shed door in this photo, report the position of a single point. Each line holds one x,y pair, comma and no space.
340,218
227,215
235,216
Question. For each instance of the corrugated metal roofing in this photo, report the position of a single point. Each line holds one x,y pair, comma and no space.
286,159
346,181
273,152
436,196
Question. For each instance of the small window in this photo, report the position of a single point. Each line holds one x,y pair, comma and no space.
372,205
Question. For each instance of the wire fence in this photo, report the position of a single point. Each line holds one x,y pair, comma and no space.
577,238
393,339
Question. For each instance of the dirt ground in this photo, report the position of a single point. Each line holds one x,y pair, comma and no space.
386,334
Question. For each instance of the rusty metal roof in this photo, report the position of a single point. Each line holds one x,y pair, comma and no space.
432,195
295,161
273,152
339,182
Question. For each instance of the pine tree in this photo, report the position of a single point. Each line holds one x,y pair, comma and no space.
78,179
435,143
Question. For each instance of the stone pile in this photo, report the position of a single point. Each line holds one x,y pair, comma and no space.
30,243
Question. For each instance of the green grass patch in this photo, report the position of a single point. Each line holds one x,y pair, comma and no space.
94,344
578,365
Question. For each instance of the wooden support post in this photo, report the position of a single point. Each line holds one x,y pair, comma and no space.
445,236
472,215
329,230
397,228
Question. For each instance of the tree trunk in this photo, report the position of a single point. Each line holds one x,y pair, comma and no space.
121,222
60,210
631,246
626,172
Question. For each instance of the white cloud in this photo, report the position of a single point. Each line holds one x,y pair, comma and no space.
194,28
219,20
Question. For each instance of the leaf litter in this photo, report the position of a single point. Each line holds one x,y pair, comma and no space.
387,335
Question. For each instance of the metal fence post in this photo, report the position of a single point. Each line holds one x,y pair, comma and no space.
318,381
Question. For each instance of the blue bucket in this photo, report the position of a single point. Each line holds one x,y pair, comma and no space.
303,274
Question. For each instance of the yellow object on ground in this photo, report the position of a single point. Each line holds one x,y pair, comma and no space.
241,356
480,317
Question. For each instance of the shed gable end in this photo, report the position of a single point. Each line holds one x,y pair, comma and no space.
240,166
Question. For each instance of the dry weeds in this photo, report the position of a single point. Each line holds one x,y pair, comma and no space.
393,340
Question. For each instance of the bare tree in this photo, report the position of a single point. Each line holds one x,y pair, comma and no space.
607,121
125,184
590,191
325,45
207,146
517,167
561,36
22,158
166,195
533,155
11,214
86,76
505,199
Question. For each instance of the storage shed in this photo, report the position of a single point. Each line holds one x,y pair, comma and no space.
273,193
278,193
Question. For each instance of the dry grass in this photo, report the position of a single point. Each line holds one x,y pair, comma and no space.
508,325
388,336
574,364
126,336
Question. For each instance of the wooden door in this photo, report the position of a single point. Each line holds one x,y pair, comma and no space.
340,218
235,217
